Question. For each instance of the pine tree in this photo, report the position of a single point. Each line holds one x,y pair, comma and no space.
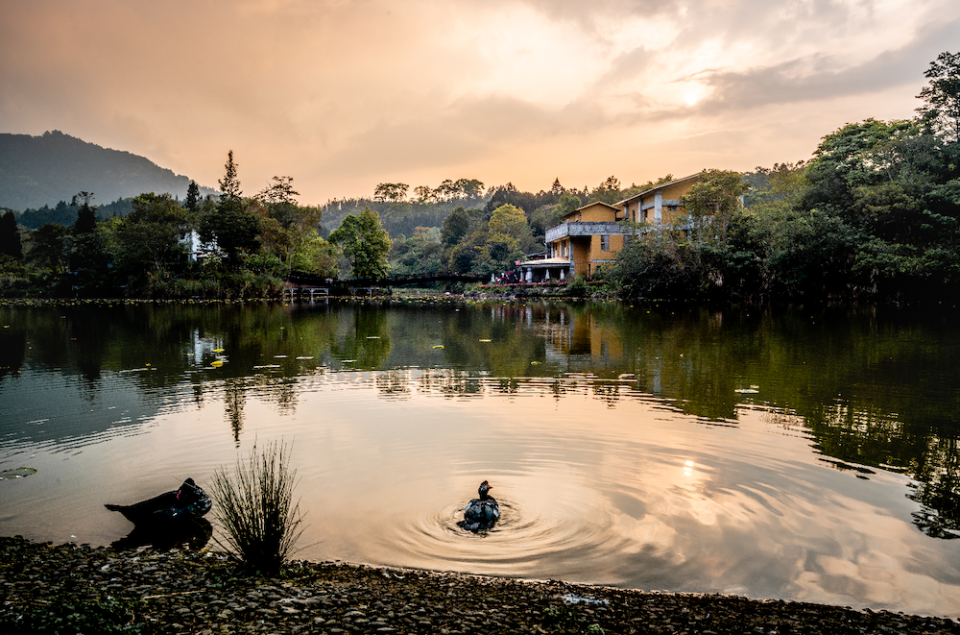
86,216
230,184
193,197
231,226
10,244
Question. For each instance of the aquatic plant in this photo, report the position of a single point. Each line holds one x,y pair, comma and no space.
254,505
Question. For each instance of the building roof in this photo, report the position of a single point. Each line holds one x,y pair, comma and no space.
547,262
596,203
580,209
659,187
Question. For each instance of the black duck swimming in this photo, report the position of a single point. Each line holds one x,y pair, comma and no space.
481,513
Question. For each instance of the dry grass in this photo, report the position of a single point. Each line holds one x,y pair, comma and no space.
255,508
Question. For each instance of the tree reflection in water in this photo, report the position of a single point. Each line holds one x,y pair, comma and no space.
875,388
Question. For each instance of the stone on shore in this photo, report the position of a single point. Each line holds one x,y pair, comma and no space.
149,591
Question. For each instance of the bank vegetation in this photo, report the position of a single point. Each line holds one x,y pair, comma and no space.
874,216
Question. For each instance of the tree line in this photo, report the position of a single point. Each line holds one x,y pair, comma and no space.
875,214
218,246
156,245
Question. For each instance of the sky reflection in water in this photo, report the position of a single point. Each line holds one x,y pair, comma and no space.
615,439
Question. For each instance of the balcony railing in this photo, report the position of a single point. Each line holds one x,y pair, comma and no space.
564,230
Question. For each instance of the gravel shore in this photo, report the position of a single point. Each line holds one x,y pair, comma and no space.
76,588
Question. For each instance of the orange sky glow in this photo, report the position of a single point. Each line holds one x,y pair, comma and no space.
345,94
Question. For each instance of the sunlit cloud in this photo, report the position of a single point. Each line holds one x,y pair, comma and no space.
345,94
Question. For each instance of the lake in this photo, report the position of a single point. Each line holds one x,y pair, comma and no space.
805,454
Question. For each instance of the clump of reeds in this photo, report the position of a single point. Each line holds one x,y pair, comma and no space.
255,508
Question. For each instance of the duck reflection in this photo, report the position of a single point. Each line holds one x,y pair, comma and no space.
192,533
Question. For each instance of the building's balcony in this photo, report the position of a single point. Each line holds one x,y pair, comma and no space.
564,230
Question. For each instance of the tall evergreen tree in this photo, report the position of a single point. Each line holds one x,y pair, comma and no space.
230,184
10,244
232,227
86,215
88,251
192,204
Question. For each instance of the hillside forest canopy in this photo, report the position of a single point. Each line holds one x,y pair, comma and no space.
874,215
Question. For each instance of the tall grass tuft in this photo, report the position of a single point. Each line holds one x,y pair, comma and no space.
255,508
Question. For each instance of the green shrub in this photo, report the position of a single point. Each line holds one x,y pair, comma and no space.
65,616
266,264
567,620
254,506
267,286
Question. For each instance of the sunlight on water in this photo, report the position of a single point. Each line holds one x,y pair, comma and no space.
607,469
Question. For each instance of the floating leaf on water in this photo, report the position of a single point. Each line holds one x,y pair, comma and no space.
218,350
486,340
20,472
439,346
535,363
216,364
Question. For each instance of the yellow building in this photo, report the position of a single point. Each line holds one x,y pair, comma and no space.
660,205
590,237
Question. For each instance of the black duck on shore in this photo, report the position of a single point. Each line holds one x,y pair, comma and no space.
188,502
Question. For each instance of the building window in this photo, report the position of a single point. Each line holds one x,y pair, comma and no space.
604,243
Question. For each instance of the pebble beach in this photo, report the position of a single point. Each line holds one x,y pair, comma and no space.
78,588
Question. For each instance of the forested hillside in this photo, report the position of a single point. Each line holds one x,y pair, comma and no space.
44,170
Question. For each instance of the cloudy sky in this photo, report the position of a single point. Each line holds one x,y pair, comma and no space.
344,94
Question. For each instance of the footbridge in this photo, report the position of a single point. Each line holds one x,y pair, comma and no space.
311,285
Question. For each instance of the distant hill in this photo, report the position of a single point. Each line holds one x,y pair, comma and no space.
44,170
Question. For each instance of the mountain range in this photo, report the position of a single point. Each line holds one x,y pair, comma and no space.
53,167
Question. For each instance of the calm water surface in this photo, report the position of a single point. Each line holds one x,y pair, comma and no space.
808,455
